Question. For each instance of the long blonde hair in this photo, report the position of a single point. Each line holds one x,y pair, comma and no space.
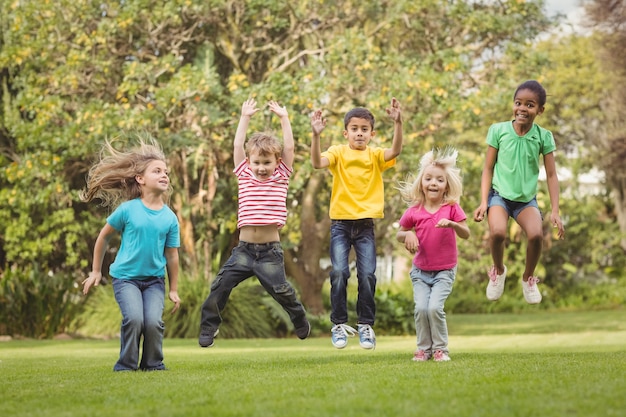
411,190
112,178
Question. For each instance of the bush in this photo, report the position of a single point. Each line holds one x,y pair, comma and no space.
36,304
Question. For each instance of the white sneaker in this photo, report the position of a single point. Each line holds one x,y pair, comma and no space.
495,288
531,291
367,338
441,356
339,335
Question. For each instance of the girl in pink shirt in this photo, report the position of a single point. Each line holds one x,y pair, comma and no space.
428,229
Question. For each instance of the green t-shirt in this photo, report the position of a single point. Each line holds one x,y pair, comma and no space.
516,171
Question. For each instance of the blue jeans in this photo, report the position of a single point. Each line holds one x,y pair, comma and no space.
345,234
430,291
266,262
141,303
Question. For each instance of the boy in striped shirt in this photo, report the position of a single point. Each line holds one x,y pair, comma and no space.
263,167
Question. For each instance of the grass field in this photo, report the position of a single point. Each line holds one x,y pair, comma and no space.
545,364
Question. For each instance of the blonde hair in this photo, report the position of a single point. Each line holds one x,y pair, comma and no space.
411,190
264,143
112,178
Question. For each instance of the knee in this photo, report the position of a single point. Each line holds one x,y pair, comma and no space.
498,236
135,322
284,290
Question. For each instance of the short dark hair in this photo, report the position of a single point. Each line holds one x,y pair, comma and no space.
359,113
536,88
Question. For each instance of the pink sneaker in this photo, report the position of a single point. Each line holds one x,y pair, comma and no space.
495,288
421,356
441,356
530,290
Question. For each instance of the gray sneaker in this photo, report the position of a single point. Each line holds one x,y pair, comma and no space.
207,336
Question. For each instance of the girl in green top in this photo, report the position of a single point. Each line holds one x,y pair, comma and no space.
509,187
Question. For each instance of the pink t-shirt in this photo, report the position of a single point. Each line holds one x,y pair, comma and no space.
437,246
262,202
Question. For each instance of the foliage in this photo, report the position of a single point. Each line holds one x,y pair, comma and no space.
73,73
35,303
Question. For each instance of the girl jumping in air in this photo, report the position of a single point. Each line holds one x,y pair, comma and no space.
509,187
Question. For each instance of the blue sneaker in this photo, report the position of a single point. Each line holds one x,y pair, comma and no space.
367,338
340,334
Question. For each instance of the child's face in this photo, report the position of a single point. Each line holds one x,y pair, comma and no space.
434,184
262,165
155,177
359,133
526,107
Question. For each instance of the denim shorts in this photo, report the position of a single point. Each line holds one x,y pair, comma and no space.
513,208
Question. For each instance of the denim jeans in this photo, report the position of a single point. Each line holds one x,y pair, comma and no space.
345,234
141,303
430,291
266,262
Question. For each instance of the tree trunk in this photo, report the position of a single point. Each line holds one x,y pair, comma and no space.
302,263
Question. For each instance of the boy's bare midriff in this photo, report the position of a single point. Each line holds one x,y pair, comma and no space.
259,234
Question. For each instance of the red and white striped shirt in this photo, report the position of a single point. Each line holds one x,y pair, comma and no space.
262,202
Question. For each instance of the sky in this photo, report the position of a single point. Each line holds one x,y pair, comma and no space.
572,8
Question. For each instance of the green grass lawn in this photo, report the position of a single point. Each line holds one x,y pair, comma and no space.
544,364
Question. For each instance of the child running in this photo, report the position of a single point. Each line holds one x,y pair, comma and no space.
357,199
428,229
150,240
509,187
263,167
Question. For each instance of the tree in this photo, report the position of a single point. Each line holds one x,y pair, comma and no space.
608,18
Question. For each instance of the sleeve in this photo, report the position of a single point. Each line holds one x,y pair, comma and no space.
457,214
547,144
493,136
379,153
117,219
407,221
173,235
331,154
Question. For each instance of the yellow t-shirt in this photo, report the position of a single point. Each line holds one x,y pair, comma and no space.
358,189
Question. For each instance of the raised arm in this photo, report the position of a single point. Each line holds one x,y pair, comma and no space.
289,147
396,115
318,123
248,109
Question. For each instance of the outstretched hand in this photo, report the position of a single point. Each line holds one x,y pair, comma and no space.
277,109
318,123
394,111
249,108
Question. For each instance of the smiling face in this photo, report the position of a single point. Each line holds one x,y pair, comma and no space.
359,132
526,106
262,164
434,184
155,177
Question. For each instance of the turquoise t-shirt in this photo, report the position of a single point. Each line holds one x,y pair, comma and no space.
145,235
516,171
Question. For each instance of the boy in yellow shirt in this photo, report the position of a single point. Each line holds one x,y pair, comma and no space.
357,199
